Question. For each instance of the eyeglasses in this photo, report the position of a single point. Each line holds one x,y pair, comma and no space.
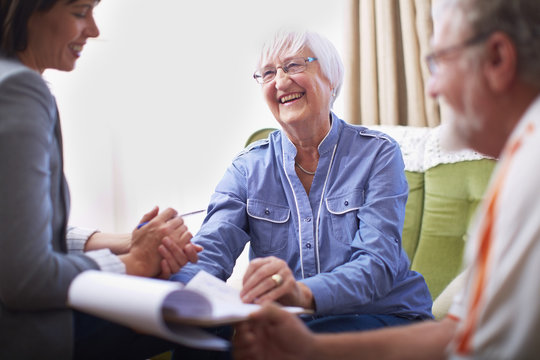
291,66
432,59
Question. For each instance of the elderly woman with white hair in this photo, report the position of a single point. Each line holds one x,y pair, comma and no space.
321,202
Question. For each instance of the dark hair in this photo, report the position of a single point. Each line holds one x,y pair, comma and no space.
14,16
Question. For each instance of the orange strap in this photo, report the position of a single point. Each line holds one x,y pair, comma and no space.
485,237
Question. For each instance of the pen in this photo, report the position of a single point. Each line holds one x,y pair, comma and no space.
181,215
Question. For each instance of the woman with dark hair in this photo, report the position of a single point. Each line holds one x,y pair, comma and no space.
39,256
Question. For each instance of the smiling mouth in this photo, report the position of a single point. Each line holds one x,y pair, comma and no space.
76,48
291,97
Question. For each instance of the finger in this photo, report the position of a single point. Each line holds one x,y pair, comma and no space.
273,295
165,270
169,258
167,225
162,218
244,341
258,277
176,223
181,236
176,251
269,313
197,247
266,291
191,252
150,215
167,214
173,255
253,266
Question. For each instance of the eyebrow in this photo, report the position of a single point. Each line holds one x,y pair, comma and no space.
282,61
82,6
87,4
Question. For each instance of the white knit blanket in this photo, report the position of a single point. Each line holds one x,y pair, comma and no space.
421,147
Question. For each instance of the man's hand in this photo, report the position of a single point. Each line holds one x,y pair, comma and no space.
270,334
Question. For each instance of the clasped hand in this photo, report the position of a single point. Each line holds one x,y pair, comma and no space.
270,279
161,247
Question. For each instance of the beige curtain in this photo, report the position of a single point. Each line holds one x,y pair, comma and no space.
385,69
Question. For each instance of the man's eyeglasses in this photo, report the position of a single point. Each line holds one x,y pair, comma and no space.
432,59
291,66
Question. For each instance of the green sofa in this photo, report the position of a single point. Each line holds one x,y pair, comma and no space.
444,191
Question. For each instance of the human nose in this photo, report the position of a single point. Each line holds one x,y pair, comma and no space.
92,29
432,86
281,77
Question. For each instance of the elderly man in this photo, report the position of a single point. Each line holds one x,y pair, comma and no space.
486,66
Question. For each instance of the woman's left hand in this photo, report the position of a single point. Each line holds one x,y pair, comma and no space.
270,279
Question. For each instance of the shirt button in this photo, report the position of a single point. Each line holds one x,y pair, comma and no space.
267,212
308,245
307,219
346,203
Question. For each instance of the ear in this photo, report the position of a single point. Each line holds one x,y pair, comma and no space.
500,67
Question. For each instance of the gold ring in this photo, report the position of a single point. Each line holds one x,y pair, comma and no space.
278,279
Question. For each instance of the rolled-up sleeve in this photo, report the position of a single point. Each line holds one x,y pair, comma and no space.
223,233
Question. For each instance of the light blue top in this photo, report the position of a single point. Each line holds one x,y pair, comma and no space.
343,240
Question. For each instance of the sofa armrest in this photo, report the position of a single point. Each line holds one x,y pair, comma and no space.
442,303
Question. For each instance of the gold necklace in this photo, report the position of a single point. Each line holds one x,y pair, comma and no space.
304,170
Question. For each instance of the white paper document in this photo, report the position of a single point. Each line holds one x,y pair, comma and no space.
162,308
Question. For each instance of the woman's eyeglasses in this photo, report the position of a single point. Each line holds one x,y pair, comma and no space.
291,66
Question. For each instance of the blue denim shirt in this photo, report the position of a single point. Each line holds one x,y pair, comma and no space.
343,240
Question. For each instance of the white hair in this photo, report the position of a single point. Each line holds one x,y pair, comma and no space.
287,43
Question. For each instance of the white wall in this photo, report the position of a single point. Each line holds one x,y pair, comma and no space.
163,100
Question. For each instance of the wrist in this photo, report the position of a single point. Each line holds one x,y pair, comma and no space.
134,266
90,243
319,348
117,243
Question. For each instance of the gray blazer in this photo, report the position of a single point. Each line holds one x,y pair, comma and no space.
35,269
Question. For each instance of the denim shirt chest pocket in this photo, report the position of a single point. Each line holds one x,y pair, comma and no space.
269,226
343,211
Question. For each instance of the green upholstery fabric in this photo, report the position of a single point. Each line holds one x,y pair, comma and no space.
451,194
413,212
258,135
